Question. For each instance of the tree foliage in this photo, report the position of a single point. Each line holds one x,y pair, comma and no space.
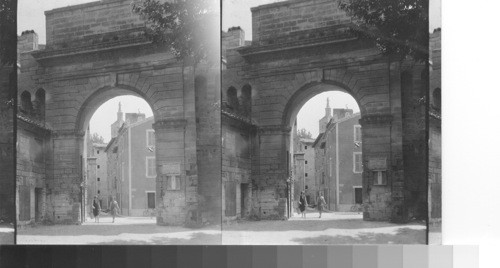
185,26
398,27
8,32
303,133
96,138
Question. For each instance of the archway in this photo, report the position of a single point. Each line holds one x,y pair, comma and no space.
118,152
119,157
324,149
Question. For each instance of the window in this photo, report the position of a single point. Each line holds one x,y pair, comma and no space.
26,105
306,162
357,133
150,138
306,174
151,196
98,166
232,98
98,191
174,182
98,179
150,167
97,151
380,178
357,162
305,147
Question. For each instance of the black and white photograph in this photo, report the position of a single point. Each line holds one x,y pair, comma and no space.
327,107
302,123
298,122
118,123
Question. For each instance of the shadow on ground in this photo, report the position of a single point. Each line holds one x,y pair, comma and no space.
311,225
105,229
403,236
195,239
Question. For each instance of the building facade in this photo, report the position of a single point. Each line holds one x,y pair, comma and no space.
303,175
338,162
131,168
97,173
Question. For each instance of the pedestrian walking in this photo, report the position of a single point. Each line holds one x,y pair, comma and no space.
96,209
303,204
114,208
321,203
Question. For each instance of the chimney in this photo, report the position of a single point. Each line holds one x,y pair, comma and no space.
28,41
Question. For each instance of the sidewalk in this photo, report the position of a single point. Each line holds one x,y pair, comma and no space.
330,229
6,234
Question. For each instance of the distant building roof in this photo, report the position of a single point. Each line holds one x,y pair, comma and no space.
100,145
306,140
318,139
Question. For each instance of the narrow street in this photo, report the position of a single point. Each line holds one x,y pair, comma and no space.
332,228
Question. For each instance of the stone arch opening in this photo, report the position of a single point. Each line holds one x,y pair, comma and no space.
124,166
232,98
26,105
315,161
306,92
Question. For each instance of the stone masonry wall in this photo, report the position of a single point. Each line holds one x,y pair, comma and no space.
85,65
435,171
287,73
86,23
289,20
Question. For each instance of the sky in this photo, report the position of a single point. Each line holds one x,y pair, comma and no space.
31,16
105,115
314,109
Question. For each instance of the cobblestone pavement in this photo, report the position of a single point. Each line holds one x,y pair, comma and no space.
6,234
332,228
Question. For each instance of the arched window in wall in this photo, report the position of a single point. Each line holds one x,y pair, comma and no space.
436,99
246,99
40,103
232,99
26,105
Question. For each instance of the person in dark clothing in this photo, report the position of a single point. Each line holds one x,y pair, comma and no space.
303,204
96,209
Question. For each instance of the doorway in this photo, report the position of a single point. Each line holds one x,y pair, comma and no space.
38,204
151,200
244,199
358,195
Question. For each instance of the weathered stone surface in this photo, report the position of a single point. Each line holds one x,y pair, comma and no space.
300,49
97,51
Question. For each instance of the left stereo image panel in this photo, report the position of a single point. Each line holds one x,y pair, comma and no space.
8,81
118,122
